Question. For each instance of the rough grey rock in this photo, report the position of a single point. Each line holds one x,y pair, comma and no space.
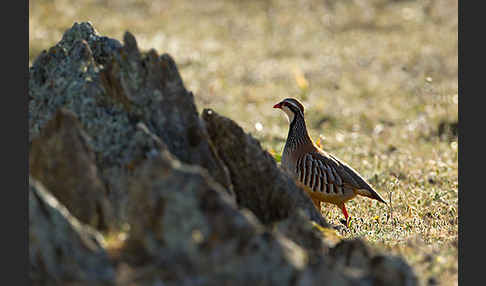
152,90
114,89
352,253
102,47
377,268
67,76
391,270
259,184
61,249
301,230
62,160
186,225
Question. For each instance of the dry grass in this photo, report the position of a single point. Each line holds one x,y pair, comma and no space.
377,78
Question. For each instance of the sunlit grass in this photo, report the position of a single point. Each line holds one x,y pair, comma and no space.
377,79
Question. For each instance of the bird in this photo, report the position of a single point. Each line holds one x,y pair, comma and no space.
322,175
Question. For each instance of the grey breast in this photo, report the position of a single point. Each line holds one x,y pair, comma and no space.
287,163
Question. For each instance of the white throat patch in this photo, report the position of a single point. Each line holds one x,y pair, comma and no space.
290,114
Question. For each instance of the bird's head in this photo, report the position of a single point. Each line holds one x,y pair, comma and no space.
292,108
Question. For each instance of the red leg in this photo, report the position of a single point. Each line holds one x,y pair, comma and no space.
343,209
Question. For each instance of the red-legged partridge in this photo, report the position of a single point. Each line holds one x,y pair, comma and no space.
325,177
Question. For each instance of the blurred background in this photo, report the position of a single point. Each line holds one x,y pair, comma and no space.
378,78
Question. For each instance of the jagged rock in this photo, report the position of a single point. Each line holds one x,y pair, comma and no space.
322,274
68,76
192,231
151,89
61,249
102,47
307,234
391,270
377,268
352,253
62,160
259,184
114,89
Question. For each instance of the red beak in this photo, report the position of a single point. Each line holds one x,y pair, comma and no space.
278,105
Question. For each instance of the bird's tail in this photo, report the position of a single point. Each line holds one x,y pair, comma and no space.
370,194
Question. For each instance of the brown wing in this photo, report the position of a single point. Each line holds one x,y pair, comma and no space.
353,178
325,173
319,175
